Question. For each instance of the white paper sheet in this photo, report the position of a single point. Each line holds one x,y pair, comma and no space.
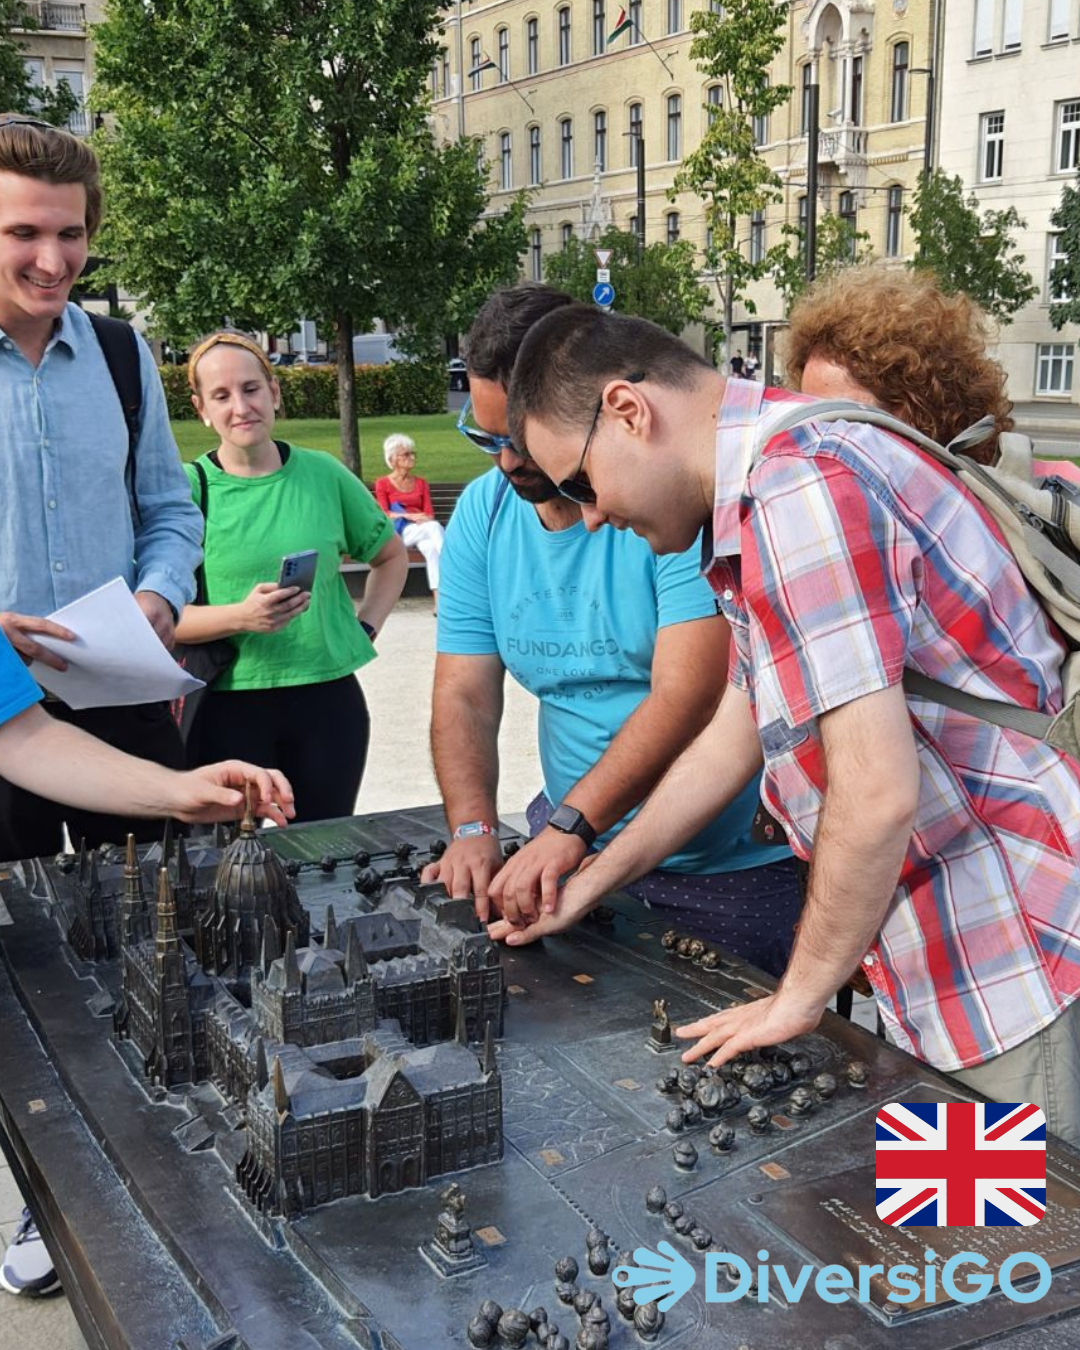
116,659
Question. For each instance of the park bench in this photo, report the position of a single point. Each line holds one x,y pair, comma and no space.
443,498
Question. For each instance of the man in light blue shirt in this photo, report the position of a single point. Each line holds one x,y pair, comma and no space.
624,652
73,520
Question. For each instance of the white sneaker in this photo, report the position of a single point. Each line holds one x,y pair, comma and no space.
27,1266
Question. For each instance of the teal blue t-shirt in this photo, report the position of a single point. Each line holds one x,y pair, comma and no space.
574,618
17,690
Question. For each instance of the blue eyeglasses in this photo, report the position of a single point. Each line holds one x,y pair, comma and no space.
488,441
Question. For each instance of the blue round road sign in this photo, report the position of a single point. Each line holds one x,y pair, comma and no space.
603,293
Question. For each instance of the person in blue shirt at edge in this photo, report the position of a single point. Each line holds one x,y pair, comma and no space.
626,653
72,519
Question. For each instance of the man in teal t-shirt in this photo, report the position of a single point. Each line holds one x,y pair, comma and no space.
621,648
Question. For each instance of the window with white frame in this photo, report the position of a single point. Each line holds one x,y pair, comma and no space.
848,213
506,166
536,256
674,127
757,237
476,78
599,125
532,46
535,169
599,27
714,99
1011,25
445,61
1056,253
434,78
674,16
894,218
566,233
759,124
503,36
75,79
991,146
566,147
856,89
633,13
1067,157
982,43
564,35
637,132
673,227
901,54
804,112
1059,21
1054,367
35,73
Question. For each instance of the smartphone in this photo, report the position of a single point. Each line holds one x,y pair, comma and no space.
298,569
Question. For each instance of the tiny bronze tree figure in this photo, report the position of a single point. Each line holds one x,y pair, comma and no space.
648,1319
660,1033
858,1075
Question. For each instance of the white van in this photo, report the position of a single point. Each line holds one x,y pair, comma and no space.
375,349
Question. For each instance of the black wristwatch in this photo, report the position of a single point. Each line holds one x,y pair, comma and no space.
569,820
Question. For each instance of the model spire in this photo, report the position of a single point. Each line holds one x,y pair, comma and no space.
330,938
356,967
270,949
292,966
487,1064
247,824
262,1072
281,1095
460,1033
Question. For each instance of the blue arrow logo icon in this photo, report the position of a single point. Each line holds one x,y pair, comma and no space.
668,1276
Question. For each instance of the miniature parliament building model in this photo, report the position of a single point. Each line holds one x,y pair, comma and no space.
348,1061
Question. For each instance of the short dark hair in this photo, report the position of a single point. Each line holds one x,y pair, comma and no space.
501,325
566,359
36,150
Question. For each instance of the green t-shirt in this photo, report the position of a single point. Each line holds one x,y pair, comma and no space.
311,502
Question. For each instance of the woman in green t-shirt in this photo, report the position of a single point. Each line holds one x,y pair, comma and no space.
290,697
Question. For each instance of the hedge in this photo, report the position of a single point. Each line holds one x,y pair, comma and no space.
311,391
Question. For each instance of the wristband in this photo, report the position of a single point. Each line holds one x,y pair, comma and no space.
472,828
371,632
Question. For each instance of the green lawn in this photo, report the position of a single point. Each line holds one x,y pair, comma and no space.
442,454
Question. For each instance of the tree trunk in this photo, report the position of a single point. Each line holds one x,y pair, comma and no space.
346,383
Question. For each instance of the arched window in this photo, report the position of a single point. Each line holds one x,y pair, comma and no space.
847,213
564,35
893,220
674,16
714,98
566,147
674,127
673,227
503,37
636,128
535,173
804,110
566,233
476,78
532,46
898,109
599,28
757,237
536,256
506,166
600,139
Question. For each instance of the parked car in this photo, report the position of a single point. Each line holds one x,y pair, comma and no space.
312,359
457,374
282,358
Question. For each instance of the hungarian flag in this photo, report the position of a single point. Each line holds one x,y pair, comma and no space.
622,25
485,63
961,1164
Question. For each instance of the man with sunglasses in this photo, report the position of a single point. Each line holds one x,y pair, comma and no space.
626,654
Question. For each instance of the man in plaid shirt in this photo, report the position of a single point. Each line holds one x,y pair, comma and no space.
945,852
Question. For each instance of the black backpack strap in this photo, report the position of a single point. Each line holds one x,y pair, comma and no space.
204,506
120,347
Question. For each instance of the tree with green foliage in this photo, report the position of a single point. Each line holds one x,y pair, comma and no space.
839,245
734,47
271,160
662,285
18,92
967,251
1065,278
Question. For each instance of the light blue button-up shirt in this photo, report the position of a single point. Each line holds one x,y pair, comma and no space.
66,523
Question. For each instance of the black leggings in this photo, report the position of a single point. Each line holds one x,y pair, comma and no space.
316,734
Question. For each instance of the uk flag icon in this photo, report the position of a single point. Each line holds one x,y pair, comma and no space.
961,1164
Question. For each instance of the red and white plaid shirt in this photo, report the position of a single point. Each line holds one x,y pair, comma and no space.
843,557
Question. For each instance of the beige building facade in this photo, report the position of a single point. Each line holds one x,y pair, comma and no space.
558,109
57,50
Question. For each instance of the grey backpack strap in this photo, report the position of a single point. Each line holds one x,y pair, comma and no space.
993,710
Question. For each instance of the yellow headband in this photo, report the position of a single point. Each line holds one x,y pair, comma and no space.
226,340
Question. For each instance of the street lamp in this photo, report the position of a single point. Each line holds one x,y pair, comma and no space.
637,140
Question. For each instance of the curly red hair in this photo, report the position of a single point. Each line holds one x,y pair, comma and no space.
919,353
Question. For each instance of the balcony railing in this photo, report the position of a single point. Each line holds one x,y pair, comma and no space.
48,16
845,147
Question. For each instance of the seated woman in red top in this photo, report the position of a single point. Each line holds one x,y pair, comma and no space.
406,499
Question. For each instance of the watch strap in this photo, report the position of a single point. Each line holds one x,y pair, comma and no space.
569,820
